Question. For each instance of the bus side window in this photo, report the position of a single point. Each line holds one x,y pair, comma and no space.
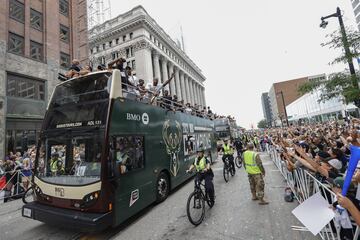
129,153
189,144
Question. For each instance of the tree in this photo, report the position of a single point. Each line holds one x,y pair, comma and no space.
341,84
262,124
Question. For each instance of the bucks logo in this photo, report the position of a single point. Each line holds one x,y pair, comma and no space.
172,136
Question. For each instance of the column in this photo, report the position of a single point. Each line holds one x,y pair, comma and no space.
177,84
198,94
192,91
156,66
164,72
203,96
144,69
187,89
183,87
172,82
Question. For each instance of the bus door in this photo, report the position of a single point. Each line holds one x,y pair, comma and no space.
134,186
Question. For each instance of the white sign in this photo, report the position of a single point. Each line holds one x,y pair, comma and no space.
134,197
314,213
145,118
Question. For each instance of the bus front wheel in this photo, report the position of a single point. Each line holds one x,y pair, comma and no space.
162,187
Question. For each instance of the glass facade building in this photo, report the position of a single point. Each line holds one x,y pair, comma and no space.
308,109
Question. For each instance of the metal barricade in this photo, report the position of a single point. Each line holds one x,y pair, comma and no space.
303,184
14,187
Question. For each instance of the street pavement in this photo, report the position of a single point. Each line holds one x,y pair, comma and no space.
234,216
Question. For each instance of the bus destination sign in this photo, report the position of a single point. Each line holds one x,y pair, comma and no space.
79,124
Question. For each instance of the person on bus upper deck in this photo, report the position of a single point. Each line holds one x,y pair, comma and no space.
131,79
155,86
119,64
166,100
188,109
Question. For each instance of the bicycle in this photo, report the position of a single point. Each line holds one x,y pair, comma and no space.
238,159
195,207
228,169
28,195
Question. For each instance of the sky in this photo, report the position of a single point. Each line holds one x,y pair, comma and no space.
244,46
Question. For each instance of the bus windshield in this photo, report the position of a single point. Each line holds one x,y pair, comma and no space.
81,102
66,159
88,88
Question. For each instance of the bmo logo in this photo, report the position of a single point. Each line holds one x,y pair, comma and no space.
137,117
132,117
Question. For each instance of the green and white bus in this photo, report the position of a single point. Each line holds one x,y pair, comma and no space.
101,157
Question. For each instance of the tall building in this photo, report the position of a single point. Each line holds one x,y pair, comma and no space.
356,7
282,94
265,102
38,39
150,51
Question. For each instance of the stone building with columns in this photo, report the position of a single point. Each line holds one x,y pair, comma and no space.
151,52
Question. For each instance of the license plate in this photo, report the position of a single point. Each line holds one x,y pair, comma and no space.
27,212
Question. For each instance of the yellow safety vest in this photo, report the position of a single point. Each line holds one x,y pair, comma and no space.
54,167
200,165
228,150
250,163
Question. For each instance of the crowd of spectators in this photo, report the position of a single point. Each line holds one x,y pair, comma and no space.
324,151
16,173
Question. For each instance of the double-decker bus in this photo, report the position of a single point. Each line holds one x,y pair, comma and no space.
101,157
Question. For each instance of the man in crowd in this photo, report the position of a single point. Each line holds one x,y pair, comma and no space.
256,174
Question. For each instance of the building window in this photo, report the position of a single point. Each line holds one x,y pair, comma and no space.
124,38
36,51
64,7
16,44
101,60
16,10
104,46
97,48
117,41
64,33
133,64
22,87
36,20
113,55
129,153
131,35
110,43
91,51
127,52
64,60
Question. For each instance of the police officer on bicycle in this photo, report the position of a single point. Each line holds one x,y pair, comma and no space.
228,151
204,172
239,146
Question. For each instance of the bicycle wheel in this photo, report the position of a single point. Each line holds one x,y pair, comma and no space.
226,173
232,170
195,208
28,195
208,201
238,162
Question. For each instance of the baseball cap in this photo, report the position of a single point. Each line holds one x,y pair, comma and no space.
335,164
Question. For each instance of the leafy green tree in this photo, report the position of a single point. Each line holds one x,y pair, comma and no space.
341,84
262,124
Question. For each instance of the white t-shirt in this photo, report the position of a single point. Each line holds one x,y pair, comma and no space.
133,80
153,88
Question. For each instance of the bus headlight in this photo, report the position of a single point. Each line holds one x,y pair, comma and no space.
90,198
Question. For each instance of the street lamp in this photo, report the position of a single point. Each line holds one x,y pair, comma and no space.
283,102
345,41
